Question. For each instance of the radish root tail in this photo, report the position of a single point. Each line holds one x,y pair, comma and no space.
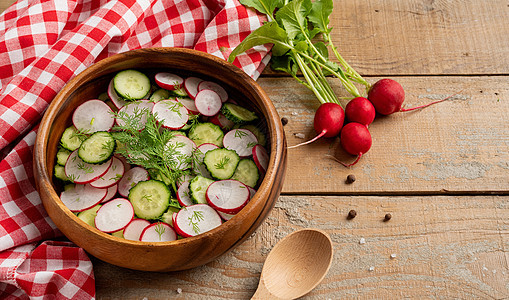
345,164
310,141
429,104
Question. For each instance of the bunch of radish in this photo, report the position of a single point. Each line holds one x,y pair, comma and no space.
385,97
116,196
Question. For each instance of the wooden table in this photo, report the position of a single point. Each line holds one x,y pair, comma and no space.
442,172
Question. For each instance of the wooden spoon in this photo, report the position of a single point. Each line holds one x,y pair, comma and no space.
295,265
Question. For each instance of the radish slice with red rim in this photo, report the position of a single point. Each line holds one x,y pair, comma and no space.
225,216
171,113
112,176
210,85
198,164
92,116
220,120
189,104
114,215
158,232
139,108
183,195
114,97
168,81
261,158
81,172
130,179
240,140
81,197
252,192
191,86
183,178
110,193
208,102
228,196
196,219
180,149
134,229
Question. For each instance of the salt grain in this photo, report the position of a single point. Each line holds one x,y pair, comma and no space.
300,135
371,269
294,113
179,291
393,255
362,241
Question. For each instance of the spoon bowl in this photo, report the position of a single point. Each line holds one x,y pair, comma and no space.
296,265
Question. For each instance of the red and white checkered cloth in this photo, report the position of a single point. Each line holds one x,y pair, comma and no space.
43,44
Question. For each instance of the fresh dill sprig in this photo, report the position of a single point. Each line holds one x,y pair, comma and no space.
222,163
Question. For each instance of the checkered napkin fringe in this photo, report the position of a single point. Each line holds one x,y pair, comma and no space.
43,44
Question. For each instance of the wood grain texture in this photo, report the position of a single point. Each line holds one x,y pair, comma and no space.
458,146
442,247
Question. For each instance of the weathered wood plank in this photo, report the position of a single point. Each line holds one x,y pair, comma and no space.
460,145
443,246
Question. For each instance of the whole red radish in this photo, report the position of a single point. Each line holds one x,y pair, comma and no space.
356,140
387,96
360,110
328,121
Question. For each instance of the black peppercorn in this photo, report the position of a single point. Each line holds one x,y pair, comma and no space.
351,214
387,217
284,121
350,178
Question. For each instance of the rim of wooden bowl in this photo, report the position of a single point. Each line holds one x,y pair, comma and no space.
270,186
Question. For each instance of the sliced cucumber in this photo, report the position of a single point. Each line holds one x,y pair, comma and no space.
131,84
160,94
88,216
221,163
247,172
179,91
71,139
150,199
59,172
97,148
206,133
198,188
237,114
62,156
262,139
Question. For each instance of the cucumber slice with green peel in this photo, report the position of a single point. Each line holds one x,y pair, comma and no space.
131,84
150,199
59,172
198,188
62,156
238,114
88,216
71,139
221,163
260,136
160,94
97,148
247,172
206,133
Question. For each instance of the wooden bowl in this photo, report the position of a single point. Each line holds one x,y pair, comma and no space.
164,256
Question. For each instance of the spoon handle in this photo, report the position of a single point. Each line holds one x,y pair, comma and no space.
262,293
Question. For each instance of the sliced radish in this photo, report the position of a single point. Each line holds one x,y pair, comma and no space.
209,85
115,98
225,216
127,165
183,195
191,86
252,192
189,104
114,215
261,158
140,107
208,102
158,232
81,172
171,113
130,179
180,148
198,164
168,81
112,176
81,197
228,196
92,116
110,193
196,219
134,229
183,178
240,140
220,120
